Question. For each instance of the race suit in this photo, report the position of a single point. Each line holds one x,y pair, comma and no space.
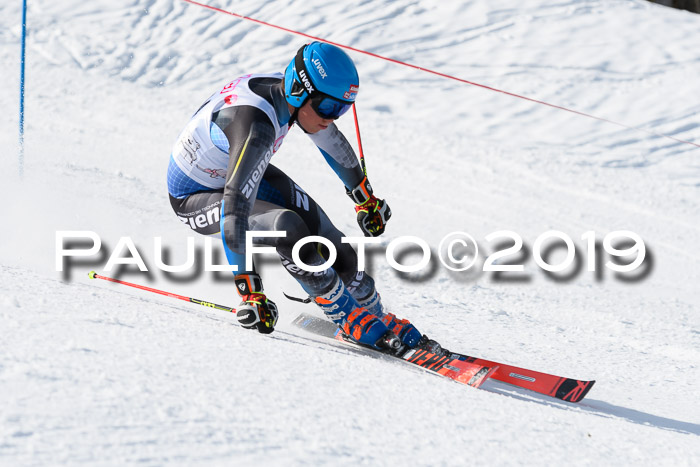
220,180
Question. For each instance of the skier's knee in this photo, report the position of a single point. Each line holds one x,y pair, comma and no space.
291,223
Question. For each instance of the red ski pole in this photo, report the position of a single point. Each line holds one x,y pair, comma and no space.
94,275
359,140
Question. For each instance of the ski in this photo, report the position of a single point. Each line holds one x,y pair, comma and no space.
559,387
462,371
472,371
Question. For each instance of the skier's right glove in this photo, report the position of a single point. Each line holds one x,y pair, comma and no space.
256,311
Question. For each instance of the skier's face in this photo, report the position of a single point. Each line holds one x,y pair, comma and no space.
310,120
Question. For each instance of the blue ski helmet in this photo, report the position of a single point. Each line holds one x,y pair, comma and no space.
326,75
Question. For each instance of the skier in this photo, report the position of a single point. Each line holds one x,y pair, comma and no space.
220,180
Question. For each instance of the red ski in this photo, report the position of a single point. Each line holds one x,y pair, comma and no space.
469,373
566,389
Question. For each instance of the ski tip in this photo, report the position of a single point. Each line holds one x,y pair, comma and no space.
92,274
572,390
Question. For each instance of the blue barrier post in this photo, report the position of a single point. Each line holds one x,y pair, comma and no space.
21,89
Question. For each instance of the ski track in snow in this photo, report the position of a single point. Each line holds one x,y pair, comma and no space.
98,374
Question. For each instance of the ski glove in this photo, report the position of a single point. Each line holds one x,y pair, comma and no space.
372,213
256,311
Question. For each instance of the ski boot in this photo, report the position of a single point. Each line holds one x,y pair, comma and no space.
373,303
355,321
407,332
402,328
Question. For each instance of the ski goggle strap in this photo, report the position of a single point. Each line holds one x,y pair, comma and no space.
324,105
304,84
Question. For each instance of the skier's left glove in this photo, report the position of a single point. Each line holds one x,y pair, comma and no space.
372,213
256,311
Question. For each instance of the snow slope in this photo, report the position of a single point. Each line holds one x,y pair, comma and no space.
99,374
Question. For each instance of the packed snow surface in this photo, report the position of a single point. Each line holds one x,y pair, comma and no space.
95,373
